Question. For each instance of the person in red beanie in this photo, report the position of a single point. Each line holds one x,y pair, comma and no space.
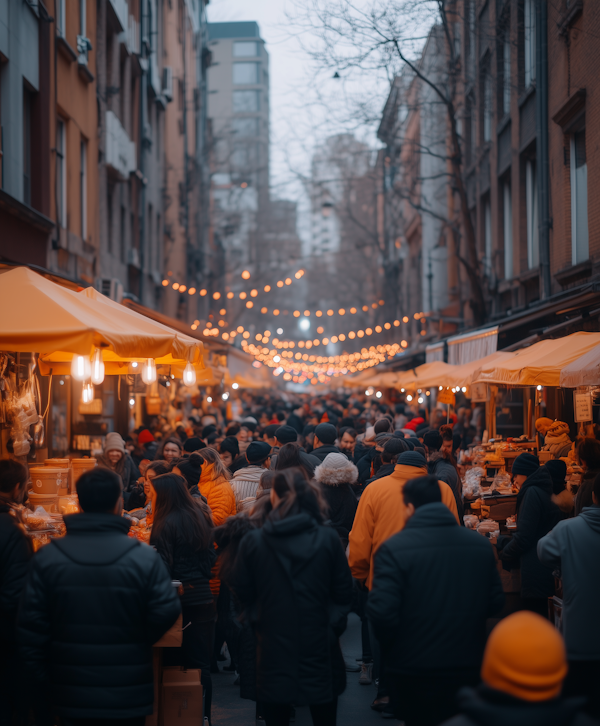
148,444
522,675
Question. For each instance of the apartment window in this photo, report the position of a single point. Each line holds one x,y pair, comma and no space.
529,42
487,237
246,101
580,249
505,72
533,247
245,49
245,126
486,92
245,73
60,18
83,188
61,172
122,233
26,147
507,225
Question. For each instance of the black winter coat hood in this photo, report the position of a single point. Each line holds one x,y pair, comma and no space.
15,554
540,479
486,707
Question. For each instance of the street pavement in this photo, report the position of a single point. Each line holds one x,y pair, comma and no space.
229,709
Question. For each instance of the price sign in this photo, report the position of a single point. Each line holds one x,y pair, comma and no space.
446,396
479,392
582,403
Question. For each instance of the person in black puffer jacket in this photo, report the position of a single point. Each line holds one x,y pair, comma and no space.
325,436
182,535
15,556
294,583
536,516
94,604
336,475
523,669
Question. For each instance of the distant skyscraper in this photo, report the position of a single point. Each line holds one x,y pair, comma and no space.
238,111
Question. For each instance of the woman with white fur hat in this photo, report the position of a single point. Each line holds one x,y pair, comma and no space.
336,475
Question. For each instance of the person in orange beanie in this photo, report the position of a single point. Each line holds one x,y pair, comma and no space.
522,675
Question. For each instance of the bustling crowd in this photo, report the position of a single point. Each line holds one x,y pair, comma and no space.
275,522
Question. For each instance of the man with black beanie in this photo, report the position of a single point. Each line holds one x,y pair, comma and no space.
288,435
325,436
95,602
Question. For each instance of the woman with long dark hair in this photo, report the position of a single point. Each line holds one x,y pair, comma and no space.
294,583
289,457
183,537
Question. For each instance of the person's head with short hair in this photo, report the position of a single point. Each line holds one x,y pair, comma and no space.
286,435
208,430
258,453
419,492
382,426
325,435
99,491
269,434
232,429
193,443
347,439
433,441
243,434
447,439
13,480
229,450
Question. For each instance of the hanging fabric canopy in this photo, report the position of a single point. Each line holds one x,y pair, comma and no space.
540,364
585,371
43,317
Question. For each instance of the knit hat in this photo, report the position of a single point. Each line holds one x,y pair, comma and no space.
145,437
525,464
326,433
230,444
384,424
433,440
412,458
543,423
557,429
114,442
257,452
193,444
525,657
308,429
395,446
557,470
286,435
382,438
410,442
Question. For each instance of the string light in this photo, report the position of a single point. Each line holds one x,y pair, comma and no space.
246,275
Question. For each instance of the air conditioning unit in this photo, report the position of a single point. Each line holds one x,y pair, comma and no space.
133,257
167,84
111,287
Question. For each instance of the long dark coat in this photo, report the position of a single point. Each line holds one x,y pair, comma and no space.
294,583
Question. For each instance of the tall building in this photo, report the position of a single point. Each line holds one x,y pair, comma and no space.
238,112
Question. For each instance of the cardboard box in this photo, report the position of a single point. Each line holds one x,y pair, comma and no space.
181,697
173,637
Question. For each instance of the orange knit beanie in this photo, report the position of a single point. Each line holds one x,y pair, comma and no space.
525,657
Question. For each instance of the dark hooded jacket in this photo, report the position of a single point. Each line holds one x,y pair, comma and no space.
432,561
15,555
293,581
442,469
94,603
323,450
486,707
536,516
336,485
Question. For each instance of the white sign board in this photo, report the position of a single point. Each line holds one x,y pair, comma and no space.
582,403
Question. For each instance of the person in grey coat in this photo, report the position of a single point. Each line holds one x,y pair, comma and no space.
573,547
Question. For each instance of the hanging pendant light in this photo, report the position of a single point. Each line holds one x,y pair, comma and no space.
80,367
97,368
149,371
87,393
189,375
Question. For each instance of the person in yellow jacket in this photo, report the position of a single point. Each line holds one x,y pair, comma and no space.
214,485
381,513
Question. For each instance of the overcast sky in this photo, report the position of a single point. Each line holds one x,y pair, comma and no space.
299,117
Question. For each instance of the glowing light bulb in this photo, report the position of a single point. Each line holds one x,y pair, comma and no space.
409,397
87,393
420,399
80,367
276,359
225,396
464,389
235,386
132,402
149,371
134,364
189,375
539,388
97,368
379,394
209,399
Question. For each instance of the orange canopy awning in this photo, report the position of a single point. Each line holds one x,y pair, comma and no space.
540,364
42,317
